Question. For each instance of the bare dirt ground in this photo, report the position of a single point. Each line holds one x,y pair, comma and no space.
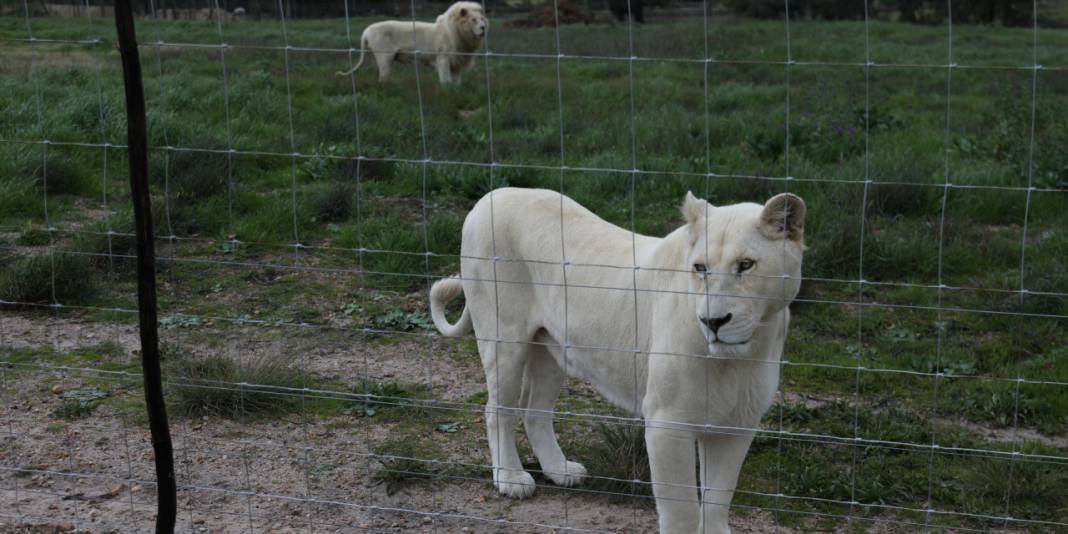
292,473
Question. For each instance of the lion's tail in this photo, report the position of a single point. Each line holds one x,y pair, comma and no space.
441,293
363,50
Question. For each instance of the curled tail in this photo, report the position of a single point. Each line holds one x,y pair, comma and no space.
363,49
441,293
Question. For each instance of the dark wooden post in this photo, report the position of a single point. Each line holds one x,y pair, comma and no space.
137,140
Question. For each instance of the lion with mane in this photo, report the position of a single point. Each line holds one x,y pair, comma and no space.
448,44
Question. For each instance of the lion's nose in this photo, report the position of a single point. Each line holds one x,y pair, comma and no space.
714,323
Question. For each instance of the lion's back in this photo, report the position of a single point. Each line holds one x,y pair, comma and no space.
489,229
533,231
398,33
526,222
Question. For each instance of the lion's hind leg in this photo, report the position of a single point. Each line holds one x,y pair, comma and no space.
384,60
541,390
504,363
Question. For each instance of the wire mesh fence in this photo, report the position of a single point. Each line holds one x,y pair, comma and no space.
302,218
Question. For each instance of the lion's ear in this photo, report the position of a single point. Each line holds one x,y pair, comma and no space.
463,12
694,210
783,217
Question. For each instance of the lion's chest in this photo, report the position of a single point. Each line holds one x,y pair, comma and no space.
742,395
710,392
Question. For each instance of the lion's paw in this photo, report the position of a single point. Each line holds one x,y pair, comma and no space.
573,475
515,483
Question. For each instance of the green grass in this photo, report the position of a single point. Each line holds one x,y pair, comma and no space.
892,475
365,223
84,356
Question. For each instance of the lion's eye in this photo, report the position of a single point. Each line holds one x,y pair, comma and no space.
700,267
745,265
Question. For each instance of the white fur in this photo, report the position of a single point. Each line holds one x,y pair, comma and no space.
444,291
447,43
591,300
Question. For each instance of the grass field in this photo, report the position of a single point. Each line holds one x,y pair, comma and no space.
945,209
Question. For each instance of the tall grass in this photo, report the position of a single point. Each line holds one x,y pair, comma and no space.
39,278
235,388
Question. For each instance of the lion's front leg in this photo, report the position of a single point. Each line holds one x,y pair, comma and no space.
721,461
444,69
672,464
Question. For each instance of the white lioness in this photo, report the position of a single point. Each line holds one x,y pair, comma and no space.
686,331
449,43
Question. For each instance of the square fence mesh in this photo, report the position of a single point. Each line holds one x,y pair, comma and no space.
302,217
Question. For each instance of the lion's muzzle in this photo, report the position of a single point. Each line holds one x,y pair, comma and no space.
714,323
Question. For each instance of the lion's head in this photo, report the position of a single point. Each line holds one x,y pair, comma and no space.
468,19
745,265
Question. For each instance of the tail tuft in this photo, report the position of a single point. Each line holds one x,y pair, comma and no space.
441,293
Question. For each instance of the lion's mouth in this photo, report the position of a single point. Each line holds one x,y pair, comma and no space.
717,344
714,342
714,339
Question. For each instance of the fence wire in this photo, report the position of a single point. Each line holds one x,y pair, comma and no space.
306,452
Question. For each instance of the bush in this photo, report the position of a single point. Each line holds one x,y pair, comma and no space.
832,9
71,410
193,175
19,199
370,169
334,203
821,9
30,279
616,455
33,236
387,400
56,175
903,199
404,461
117,251
78,403
474,183
220,386
1008,12
833,245
733,190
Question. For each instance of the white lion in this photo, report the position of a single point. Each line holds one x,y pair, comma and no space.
685,331
449,43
